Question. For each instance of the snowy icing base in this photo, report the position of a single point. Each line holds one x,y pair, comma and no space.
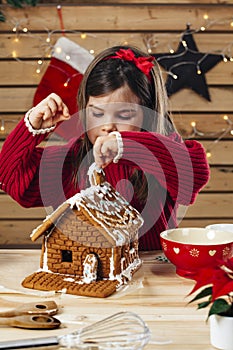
125,276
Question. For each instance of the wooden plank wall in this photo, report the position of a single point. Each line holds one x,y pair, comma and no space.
107,23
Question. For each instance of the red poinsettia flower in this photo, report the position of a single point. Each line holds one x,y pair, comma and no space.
218,287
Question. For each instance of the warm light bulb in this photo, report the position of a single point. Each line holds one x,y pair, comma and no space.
67,57
231,132
58,49
231,24
16,40
92,51
2,128
14,54
202,29
25,30
83,36
149,50
172,51
208,154
198,71
175,76
205,16
65,84
184,43
193,124
38,71
225,117
40,62
48,40
231,59
14,29
224,59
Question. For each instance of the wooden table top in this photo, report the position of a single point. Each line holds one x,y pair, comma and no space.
155,293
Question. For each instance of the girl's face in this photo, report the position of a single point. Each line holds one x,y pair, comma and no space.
117,111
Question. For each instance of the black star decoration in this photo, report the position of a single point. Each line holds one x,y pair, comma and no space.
187,66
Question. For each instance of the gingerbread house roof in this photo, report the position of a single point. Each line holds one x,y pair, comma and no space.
104,206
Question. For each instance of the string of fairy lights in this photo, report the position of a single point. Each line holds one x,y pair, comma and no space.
228,130
151,45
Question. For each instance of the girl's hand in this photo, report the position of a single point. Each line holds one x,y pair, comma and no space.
105,150
48,112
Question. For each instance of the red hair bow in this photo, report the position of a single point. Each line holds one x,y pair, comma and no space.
143,63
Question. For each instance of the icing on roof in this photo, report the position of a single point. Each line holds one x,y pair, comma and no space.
110,210
103,204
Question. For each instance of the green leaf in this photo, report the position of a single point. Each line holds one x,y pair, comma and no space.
219,306
204,293
2,17
20,3
204,304
15,3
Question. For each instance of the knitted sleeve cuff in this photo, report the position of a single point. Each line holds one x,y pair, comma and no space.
36,131
119,144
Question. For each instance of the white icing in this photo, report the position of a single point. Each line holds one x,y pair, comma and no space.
45,256
69,279
119,279
128,272
112,267
109,209
90,173
90,268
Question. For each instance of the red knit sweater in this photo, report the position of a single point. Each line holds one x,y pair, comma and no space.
176,171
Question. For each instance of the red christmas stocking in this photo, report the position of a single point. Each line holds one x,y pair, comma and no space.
63,76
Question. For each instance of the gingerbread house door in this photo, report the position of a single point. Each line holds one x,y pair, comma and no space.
90,267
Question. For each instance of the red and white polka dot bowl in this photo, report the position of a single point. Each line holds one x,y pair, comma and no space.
192,248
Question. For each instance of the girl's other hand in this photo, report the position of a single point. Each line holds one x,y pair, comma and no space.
48,112
105,150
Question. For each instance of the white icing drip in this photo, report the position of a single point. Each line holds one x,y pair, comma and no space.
45,256
90,173
69,279
74,200
42,270
128,271
72,280
90,268
119,279
112,267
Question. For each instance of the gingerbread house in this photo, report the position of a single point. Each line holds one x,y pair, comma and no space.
90,242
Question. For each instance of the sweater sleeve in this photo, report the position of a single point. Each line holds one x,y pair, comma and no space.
19,164
180,167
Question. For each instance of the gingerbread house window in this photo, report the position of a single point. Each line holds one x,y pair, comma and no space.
66,256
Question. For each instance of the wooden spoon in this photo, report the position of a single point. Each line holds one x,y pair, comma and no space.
42,308
31,321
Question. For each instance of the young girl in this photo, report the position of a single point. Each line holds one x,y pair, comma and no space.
126,130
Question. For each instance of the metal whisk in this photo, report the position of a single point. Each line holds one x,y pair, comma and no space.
124,330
